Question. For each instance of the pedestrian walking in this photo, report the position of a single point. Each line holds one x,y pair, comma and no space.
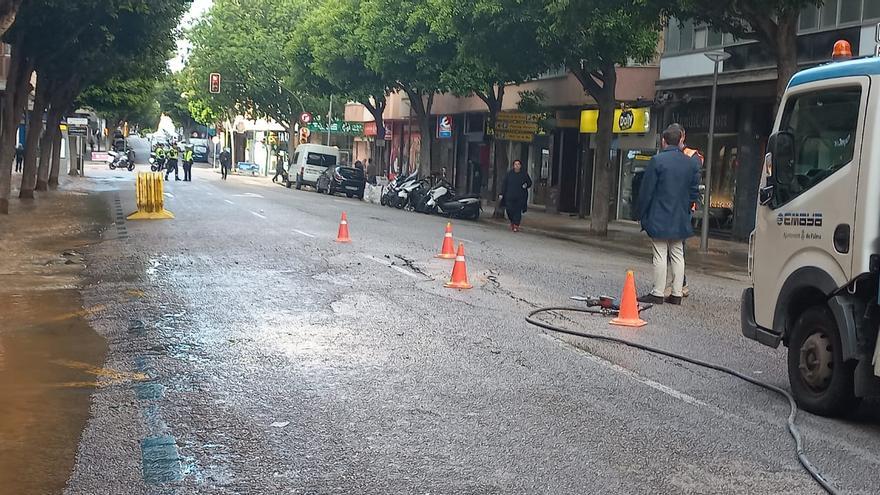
187,164
19,157
670,184
279,169
477,177
225,161
515,194
172,163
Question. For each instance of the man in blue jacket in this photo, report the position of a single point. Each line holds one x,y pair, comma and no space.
670,184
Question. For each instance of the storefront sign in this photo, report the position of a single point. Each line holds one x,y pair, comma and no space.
338,127
370,130
695,119
516,126
628,121
444,126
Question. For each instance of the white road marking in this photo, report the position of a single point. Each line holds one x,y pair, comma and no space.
405,272
646,381
392,266
249,195
462,239
169,195
258,215
377,260
300,232
230,202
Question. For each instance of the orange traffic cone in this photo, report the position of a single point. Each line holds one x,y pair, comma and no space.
343,230
459,272
629,306
447,252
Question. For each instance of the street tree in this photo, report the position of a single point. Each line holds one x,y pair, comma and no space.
401,46
495,47
249,47
592,38
772,22
74,46
330,47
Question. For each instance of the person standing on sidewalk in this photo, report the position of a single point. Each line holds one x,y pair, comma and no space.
670,184
19,157
225,161
515,194
694,154
187,164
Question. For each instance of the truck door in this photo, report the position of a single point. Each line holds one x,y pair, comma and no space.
809,217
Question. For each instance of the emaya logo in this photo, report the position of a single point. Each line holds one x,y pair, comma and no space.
799,219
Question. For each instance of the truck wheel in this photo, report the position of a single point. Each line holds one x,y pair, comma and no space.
820,381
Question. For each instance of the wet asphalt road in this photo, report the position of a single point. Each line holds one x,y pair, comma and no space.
281,362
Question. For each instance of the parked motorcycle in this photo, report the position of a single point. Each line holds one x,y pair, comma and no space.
441,199
117,159
406,189
390,194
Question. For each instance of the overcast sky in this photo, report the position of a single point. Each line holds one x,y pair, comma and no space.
198,8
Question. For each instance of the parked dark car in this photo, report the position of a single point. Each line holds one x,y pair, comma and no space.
348,180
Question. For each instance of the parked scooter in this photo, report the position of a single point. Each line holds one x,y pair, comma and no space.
117,159
441,199
390,194
404,194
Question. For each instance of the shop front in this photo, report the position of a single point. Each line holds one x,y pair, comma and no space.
632,147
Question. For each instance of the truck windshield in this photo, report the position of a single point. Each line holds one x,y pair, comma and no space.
320,160
824,125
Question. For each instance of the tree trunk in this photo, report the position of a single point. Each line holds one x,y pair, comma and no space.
73,156
56,158
32,139
53,119
602,176
14,99
786,53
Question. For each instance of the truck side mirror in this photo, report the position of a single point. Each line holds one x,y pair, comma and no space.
781,148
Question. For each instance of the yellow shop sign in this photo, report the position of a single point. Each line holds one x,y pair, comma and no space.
626,121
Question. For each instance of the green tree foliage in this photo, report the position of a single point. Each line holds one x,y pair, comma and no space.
124,100
401,46
772,22
74,46
592,38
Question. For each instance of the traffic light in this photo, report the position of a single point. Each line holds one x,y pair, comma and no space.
304,134
215,83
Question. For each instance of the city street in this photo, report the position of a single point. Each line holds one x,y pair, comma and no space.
253,354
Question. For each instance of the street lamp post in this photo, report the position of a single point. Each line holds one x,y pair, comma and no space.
717,57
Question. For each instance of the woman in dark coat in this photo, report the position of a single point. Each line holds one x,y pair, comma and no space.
515,194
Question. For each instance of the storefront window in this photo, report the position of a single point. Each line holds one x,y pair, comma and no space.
631,171
724,167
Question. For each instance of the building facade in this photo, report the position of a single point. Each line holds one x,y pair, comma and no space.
746,96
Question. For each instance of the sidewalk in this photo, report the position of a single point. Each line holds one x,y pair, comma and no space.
724,257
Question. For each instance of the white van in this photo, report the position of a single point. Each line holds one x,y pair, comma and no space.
310,161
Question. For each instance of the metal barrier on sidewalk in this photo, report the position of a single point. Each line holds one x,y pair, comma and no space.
150,198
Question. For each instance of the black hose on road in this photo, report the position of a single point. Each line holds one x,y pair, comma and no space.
792,427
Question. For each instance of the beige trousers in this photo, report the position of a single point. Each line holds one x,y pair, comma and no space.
668,255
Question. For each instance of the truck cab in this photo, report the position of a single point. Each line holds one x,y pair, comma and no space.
814,255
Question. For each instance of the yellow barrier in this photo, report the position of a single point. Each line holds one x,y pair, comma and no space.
150,198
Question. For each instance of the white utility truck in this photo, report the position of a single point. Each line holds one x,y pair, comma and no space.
814,256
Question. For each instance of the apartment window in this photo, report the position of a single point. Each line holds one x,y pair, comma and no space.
672,36
872,9
714,38
686,42
828,14
851,10
809,18
701,36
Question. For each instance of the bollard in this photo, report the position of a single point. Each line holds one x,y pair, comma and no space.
150,197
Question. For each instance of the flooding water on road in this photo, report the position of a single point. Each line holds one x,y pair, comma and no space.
50,360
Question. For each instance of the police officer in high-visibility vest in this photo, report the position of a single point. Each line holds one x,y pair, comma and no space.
160,157
172,162
187,163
